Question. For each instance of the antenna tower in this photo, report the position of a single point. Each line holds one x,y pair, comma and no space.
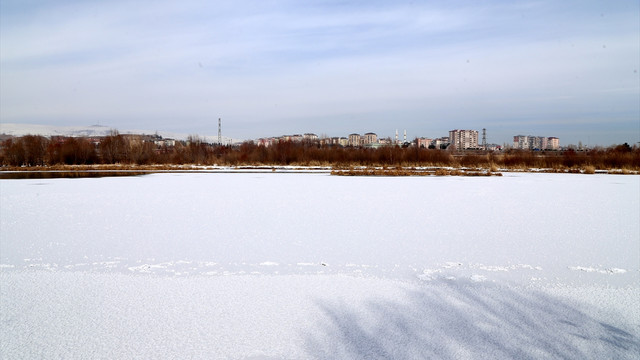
219,131
484,139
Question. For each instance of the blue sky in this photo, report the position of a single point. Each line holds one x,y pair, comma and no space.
569,69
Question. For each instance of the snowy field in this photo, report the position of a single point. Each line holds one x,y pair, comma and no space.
312,266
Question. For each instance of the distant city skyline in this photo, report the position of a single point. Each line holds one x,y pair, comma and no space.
398,137
565,69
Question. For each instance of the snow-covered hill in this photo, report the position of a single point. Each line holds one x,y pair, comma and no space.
95,130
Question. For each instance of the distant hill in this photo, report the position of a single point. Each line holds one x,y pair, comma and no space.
95,130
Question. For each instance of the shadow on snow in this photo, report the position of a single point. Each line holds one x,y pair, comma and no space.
453,320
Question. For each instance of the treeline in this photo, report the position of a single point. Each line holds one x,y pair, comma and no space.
614,157
125,149
33,150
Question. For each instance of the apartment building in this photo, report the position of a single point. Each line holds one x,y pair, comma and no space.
521,142
310,137
355,140
370,138
529,142
463,139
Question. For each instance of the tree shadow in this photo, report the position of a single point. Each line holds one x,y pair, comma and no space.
453,320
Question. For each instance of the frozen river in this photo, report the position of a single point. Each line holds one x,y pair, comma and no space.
266,265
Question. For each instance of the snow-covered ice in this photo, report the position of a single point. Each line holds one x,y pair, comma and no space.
268,265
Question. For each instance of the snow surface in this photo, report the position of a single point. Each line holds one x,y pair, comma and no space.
271,265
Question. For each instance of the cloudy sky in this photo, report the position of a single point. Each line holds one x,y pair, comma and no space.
271,67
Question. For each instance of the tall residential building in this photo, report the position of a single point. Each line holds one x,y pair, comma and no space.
370,138
544,143
463,139
553,143
354,139
535,142
521,142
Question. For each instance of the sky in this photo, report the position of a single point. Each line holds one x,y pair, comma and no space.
569,69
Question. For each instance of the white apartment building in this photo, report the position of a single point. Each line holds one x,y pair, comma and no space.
370,138
553,143
310,137
463,139
529,142
521,142
354,139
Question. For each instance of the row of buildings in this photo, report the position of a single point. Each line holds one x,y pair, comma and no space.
367,140
529,142
457,139
461,139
